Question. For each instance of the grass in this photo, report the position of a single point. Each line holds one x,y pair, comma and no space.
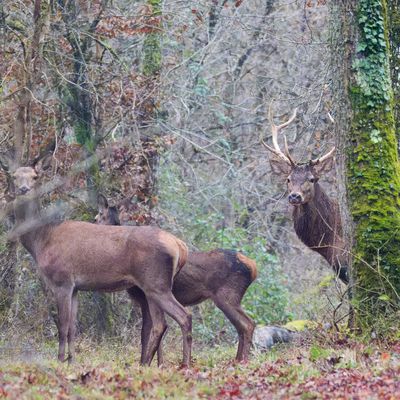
336,368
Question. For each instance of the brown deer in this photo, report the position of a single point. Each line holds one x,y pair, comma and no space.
74,255
316,217
222,276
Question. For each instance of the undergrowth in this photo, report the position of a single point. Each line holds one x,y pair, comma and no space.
319,367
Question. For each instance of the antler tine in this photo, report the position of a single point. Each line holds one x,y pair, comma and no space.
323,158
289,121
292,162
275,130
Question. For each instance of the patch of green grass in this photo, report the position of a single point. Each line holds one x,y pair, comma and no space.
317,353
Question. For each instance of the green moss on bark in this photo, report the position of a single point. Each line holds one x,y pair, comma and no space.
394,41
373,168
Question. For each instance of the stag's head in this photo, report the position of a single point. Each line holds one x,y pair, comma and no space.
301,178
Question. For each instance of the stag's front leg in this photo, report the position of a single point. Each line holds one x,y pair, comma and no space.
72,327
63,297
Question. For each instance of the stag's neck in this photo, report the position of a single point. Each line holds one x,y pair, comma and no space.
317,223
30,227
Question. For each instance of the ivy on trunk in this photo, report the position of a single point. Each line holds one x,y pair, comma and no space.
373,173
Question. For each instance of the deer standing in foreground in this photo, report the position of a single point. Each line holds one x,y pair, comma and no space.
74,255
316,217
222,276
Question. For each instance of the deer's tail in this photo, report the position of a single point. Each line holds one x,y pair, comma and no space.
249,264
183,254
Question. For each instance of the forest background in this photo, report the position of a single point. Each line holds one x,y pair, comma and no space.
160,106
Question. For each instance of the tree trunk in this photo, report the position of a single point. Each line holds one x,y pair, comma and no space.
81,106
151,68
394,41
367,141
80,93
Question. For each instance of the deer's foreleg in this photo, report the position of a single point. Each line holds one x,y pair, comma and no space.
137,296
72,327
147,331
167,302
160,353
155,334
63,298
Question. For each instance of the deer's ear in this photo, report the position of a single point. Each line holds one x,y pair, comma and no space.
279,167
324,166
102,201
44,163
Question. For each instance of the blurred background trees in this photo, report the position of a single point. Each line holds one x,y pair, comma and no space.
164,103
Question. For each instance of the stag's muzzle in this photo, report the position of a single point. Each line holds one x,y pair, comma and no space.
295,198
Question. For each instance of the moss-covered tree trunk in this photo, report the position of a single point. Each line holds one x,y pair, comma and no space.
394,41
371,165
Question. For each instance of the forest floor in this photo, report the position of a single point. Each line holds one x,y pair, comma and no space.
318,369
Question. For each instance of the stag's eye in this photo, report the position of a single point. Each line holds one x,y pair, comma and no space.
311,179
288,180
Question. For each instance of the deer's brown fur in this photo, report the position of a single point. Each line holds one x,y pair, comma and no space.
222,276
74,255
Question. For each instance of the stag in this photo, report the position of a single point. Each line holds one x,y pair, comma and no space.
74,255
316,217
222,276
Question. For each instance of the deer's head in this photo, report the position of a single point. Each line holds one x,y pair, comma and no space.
24,180
301,178
107,215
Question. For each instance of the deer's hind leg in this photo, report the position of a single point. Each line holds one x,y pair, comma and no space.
230,306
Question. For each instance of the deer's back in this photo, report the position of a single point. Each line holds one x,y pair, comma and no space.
106,257
207,272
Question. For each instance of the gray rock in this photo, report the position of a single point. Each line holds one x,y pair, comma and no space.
267,336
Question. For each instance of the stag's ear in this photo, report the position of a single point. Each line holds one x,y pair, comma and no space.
324,166
279,167
102,201
43,163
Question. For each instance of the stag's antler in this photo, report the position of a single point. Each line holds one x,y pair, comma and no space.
323,158
275,130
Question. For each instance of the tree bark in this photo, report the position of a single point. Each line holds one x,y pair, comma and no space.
394,41
151,68
368,154
81,106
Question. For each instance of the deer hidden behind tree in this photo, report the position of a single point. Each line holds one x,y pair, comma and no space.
316,217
